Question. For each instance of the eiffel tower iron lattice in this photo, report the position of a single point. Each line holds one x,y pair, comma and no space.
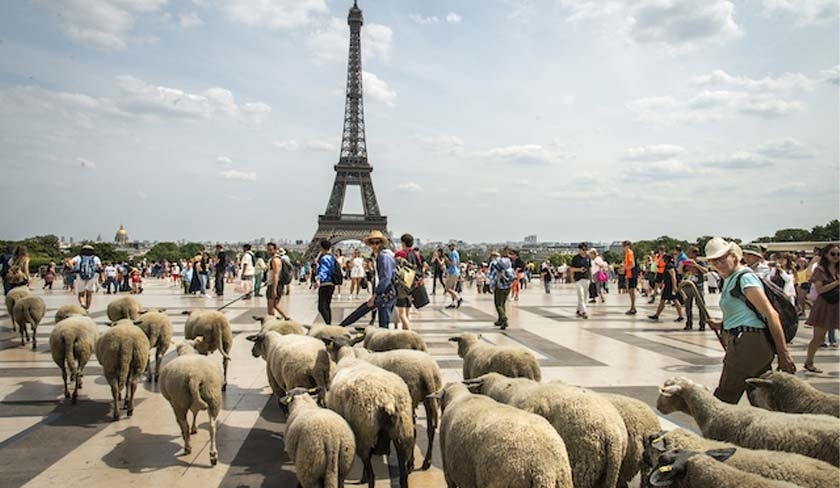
353,168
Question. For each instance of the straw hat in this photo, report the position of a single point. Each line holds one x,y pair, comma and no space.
87,247
376,235
718,247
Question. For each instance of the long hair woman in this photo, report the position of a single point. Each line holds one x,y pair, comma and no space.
824,314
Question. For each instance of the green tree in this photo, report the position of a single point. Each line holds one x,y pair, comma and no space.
827,232
104,250
792,235
190,249
164,251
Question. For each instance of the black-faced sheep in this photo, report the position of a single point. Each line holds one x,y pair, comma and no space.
71,345
123,352
783,392
214,330
29,310
481,358
689,469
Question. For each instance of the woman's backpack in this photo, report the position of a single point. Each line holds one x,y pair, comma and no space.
788,315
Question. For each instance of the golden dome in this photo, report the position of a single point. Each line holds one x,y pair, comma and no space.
122,235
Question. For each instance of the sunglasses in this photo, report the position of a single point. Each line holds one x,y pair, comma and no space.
834,254
375,243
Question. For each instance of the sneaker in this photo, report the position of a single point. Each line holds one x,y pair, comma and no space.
655,318
498,323
504,325
652,300
591,300
679,319
451,305
577,312
458,304
584,316
632,311
687,327
833,344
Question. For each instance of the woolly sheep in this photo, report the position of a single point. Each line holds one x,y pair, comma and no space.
486,444
13,296
67,310
591,428
783,392
641,422
292,361
418,370
213,328
690,469
158,329
123,352
123,308
318,441
816,436
783,466
71,345
378,339
377,406
282,327
29,310
327,331
481,357
192,382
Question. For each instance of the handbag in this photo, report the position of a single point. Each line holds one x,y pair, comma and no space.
602,276
832,296
363,284
419,297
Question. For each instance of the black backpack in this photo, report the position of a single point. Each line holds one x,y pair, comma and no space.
285,272
788,315
337,277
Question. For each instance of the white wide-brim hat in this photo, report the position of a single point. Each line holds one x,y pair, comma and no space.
718,247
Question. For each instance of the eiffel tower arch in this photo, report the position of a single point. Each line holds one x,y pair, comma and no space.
353,169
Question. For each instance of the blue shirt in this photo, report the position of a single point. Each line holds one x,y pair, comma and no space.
325,268
385,269
453,265
736,313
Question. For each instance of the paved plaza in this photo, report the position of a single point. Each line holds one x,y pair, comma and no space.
45,441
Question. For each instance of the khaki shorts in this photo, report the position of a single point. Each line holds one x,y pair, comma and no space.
85,285
451,281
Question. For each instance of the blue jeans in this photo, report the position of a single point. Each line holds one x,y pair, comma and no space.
111,281
832,336
384,312
203,278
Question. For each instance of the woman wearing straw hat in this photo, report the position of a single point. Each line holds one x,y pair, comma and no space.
749,351
384,294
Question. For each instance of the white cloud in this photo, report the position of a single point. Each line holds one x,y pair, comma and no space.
233,174
659,170
527,154
653,152
274,14
711,105
453,18
409,187
785,149
740,160
377,89
290,145
679,22
103,24
831,75
590,9
803,11
423,20
189,19
86,163
785,82
330,41
321,145
224,161
442,144
376,41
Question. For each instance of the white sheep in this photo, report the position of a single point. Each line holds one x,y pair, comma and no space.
158,329
71,345
292,361
486,444
691,469
214,330
282,327
782,466
13,296
418,370
327,331
783,392
377,406
318,441
641,421
480,358
192,382
67,310
123,352
816,436
592,429
123,308
29,310
378,339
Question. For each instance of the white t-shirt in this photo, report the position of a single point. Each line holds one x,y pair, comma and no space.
247,264
78,260
712,279
110,271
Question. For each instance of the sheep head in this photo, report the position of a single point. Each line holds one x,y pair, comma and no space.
762,391
654,446
671,395
450,393
186,347
299,392
465,341
259,344
674,464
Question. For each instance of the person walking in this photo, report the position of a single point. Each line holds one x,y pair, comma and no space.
111,279
273,287
670,290
754,257
248,271
501,277
413,258
324,280
630,275
453,275
438,267
259,274
825,312
545,274
384,295
18,269
221,265
695,270
580,267
357,272
749,351
85,266
49,277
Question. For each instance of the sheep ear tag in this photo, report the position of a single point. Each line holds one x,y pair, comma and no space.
199,339
658,444
662,476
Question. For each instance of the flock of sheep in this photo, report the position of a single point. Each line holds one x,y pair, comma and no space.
499,427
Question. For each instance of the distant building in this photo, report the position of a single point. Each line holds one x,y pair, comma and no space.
121,238
532,239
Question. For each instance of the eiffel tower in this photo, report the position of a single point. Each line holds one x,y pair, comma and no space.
352,168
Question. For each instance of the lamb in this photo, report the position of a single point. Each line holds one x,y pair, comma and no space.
29,310
123,352
783,392
641,422
67,310
378,339
326,331
481,358
158,329
292,361
318,441
592,429
214,329
377,406
123,308
71,345
816,436
689,469
782,466
192,382
13,296
418,370
488,444
282,327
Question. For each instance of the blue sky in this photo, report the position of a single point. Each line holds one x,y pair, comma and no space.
486,120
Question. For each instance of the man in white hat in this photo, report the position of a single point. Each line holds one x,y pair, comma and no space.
384,294
86,266
754,256
749,348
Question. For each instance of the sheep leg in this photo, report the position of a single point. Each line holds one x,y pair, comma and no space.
22,332
158,359
115,393
181,417
149,368
430,432
214,454
194,429
367,470
404,455
64,377
225,361
34,335
133,385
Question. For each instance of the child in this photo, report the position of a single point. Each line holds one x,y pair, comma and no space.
136,281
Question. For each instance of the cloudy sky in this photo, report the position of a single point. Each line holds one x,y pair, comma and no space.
486,120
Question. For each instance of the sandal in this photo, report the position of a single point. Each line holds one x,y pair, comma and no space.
813,369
